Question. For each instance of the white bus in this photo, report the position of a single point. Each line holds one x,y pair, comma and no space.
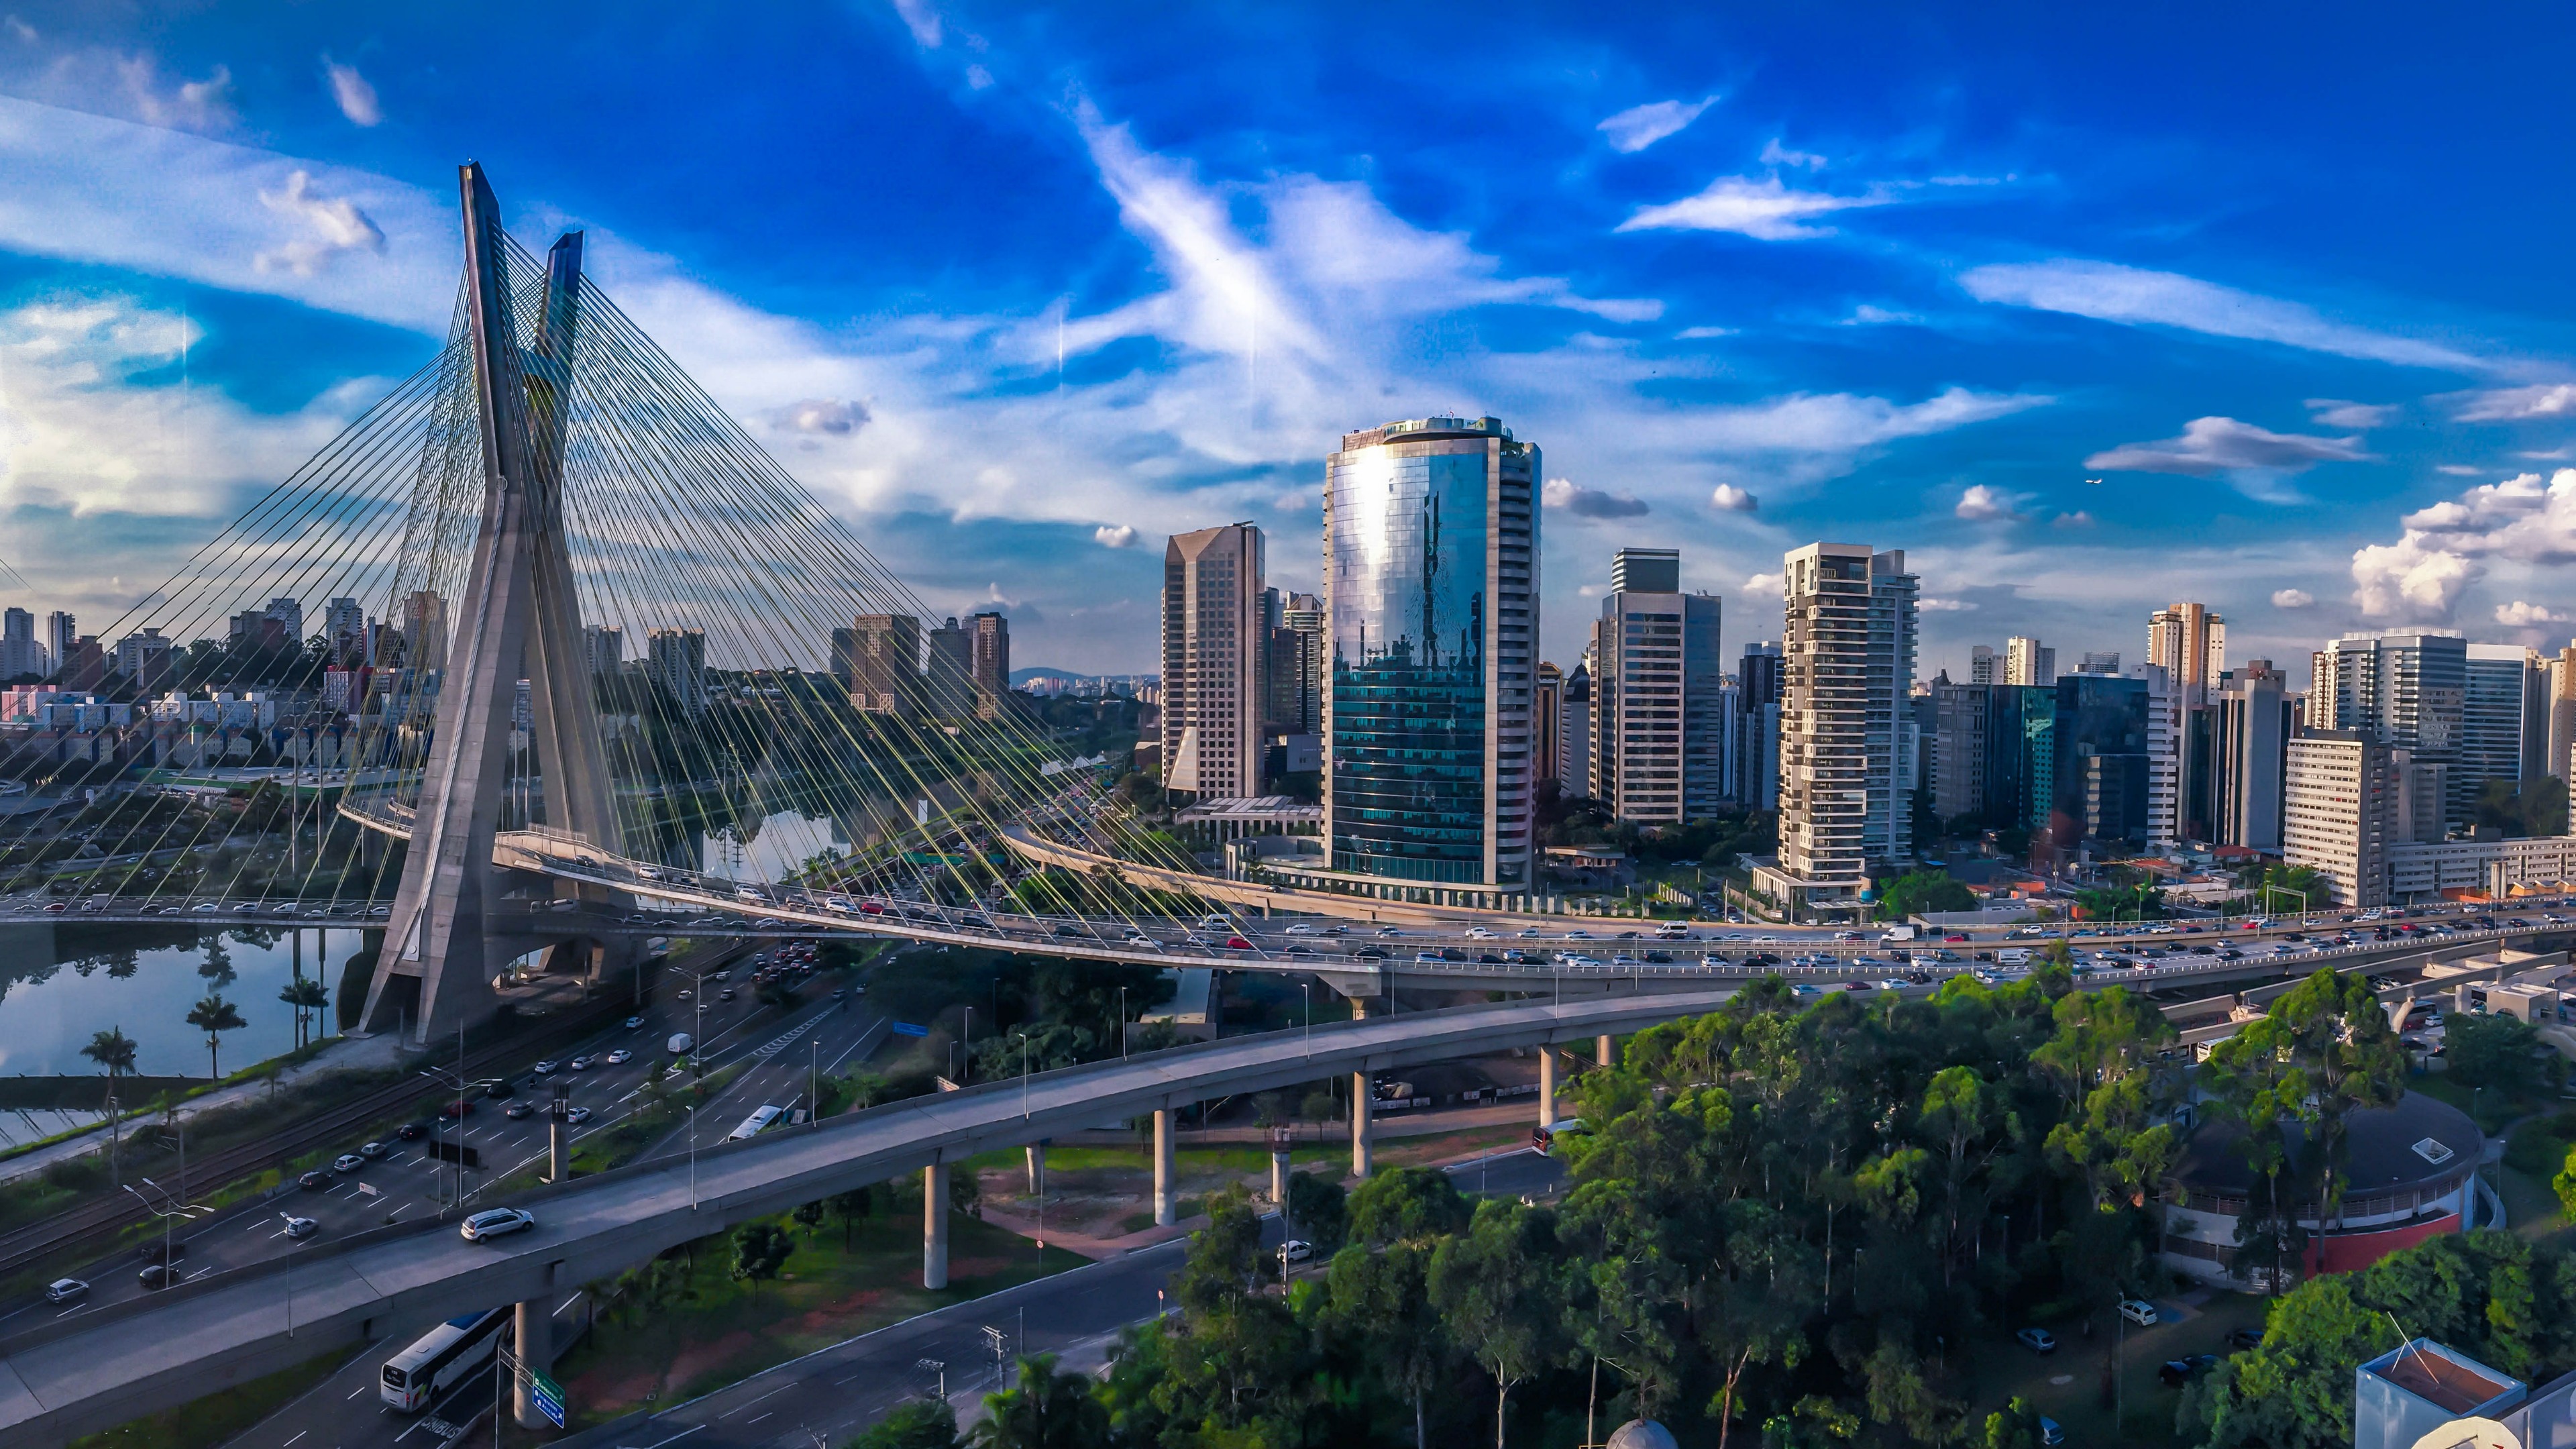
755,1124
451,1351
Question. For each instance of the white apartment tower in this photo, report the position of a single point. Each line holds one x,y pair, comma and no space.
1846,722
2339,800
2190,644
1658,700
2027,661
1214,628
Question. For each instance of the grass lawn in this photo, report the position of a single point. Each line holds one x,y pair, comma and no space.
219,1416
2494,1109
2003,1368
732,1330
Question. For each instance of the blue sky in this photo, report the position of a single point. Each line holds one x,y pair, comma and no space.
2286,281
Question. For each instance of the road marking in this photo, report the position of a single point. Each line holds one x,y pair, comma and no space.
676,1438
353,1393
300,1433
738,1408
747,1423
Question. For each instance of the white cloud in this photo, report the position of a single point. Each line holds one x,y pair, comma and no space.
1121,536
1764,209
2336,413
1762,583
25,33
833,416
2460,470
357,98
1585,502
1727,498
2519,615
2133,296
2292,599
1944,606
2518,404
2078,519
2218,445
1696,334
1869,315
2446,547
1639,127
1775,154
1981,504
921,20
333,225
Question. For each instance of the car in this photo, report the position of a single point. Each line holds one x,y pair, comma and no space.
2138,1311
1301,930
64,1290
301,1227
314,1181
412,1131
1143,942
634,1023
455,1107
726,994
1297,1250
2175,1372
622,1056
1074,931
497,1088
496,1222
374,1150
1479,933
519,1111
1386,931
577,1114
2052,1434
155,1276
579,1064
347,1162
2037,1340
546,1068
2244,1338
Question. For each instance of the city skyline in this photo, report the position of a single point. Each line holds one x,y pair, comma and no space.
1756,304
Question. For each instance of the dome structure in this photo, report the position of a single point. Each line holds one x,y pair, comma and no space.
1642,1434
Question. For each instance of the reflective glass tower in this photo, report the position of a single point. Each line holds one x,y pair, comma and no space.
1431,592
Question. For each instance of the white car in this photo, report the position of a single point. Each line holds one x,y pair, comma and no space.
619,1057
545,1068
1479,933
64,1290
301,1227
2138,1311
1297,1250
577,1114
348,1162
1579,961
496,1222
1302,931
1144,943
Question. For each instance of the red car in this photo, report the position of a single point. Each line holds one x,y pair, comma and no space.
1237,943
1954,936
455,1108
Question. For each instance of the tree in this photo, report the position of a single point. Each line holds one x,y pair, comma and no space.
1315,1208
1044,1410
2565,1184
1407,1205
919,1424
1383,1299
1495,1289
759,1251
114,1052
852,1208
1923,891
214,1016
2497,1053
809,1216
308,997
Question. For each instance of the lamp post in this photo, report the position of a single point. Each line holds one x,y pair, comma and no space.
692,1109
1307,988
1122,1023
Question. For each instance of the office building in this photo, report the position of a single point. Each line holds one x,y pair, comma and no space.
61,632
2504,716
20,654
1846,725
2408,690
2102,764
255,629
1431,579
144,658
1547,723
884,663
1657,705
1981,666
2169,728
603,649
2027,662
1296,665
2339,796
83,665
675,661
2248,738
989,662
1754,754
1574,733
424,629
1962,722
950,678
2562,714
2190,644
1214,636
289,614
344,624
2098,662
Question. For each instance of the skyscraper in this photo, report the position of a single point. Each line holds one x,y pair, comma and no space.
289,614
143,657
2504,716
2027,662
990,663
20,654
1846,724
2249,739
2191,644
1574,733
1962,719
344,623
1547,723
1981,666
2339,799
884,662
949,681
62,631
1656,701
1431,579
675,660
2098,661
2406,689
1755,750
603,648
1215,634
424,627
1295,665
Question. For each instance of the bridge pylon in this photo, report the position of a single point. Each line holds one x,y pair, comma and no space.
519,619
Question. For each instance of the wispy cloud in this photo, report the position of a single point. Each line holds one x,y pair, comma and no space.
1639,127
2215,445
1765,210
2337,413
2519,404
356,98
332,225
2134,296
922,20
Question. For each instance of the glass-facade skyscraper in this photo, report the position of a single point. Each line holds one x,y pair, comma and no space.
1431,593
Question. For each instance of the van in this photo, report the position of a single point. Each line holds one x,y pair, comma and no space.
679,1043
2013,956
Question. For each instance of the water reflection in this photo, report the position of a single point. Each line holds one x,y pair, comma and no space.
61,984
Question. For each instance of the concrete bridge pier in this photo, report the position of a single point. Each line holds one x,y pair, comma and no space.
1605,1051
1165,1209
1036,1152
533,1332
1547,1086
934,1226
1361,1134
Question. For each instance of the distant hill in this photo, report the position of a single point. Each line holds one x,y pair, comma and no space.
1023,676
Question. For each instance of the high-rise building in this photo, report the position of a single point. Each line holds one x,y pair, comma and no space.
2562,714
2190,643
1574,733
1547,722
2504,716
2099,662
1296,666
2340,792
1755,750
2102,761
20,654
1214,637
2026,661
424,627
62,632
949,681
1846,724
144,658
990,663
289,614
884,662
2249,728
344,624
1657,703
1981,666
1962,719
2169,728
603,649
2406,689
83,665
675,661
1431,578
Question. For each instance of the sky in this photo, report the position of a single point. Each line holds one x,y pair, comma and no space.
2087,312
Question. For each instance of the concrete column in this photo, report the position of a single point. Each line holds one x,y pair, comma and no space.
1605,1051
534,1333
1547,1086
557,1165
1037,1168
1359,1008
1279,1176
1360,1134
1166,1210
934,1226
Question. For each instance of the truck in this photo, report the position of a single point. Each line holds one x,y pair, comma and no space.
1899,933
2013,956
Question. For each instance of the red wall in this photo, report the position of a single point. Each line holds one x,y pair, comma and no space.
2343,1252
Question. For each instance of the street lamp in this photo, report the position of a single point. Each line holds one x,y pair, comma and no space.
692,1109
1308,988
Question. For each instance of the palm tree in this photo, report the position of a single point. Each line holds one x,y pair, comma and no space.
214,1016
114,1051
308,997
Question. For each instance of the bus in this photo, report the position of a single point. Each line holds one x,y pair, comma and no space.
452,1351
755,1124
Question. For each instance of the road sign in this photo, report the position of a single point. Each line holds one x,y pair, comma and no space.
547,1395
906,1028
466,1155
